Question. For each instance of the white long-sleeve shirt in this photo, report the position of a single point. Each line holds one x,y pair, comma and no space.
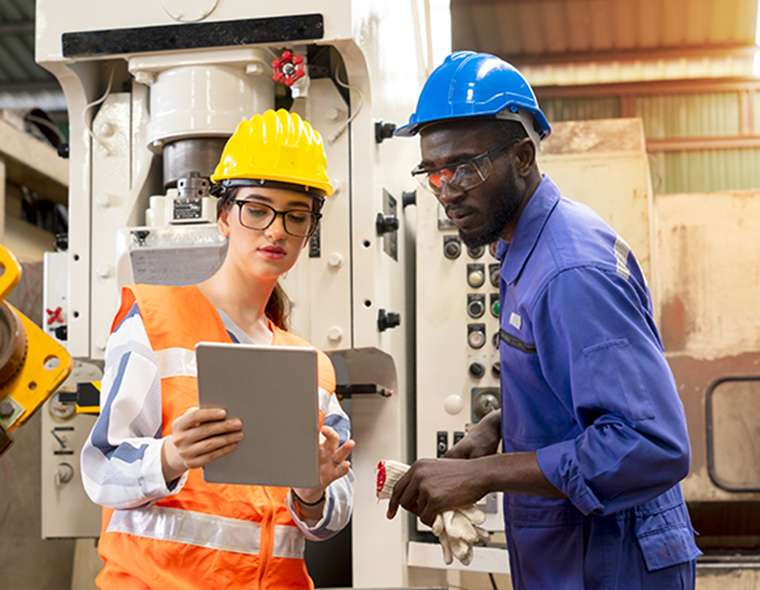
121,461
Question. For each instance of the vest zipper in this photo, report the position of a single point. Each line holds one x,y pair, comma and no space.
267,534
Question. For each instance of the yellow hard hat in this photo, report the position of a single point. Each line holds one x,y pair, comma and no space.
275,146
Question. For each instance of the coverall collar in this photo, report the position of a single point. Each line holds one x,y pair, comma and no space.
528,230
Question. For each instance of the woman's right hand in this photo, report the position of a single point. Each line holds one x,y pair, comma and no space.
199,436
483,439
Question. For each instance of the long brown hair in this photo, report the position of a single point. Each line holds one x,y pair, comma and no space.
278,305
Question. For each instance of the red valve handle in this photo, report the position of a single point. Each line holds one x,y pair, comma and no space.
288,68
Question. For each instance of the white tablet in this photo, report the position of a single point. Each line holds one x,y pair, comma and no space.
274,391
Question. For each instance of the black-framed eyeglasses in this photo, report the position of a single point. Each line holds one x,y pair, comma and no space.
459,176
299,223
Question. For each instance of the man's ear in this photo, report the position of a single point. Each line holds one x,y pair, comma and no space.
525,156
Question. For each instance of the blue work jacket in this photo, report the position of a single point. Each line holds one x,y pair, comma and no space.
586,385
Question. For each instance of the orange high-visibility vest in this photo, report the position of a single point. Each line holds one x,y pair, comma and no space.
208,535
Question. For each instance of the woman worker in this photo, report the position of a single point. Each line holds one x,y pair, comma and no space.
163,526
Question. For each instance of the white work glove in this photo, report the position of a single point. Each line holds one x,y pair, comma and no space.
457,530
387,474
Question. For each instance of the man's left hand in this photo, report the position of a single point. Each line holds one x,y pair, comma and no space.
432,486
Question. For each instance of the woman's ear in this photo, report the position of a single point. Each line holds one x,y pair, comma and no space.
223,222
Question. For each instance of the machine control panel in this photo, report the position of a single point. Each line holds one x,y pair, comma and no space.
457,323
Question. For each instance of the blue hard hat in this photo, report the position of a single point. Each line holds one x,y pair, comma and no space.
469,84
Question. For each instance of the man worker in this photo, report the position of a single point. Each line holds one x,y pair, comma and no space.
592,430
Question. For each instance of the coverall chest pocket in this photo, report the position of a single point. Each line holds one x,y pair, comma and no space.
516,343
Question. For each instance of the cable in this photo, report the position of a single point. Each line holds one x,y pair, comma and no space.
428,38
493,582
180,18
48,124
87,107
348,121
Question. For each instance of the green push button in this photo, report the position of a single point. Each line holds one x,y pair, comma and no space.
496,308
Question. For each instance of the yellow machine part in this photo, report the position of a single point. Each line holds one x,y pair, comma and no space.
90,409
38,373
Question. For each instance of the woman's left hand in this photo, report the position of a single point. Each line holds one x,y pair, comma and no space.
333,464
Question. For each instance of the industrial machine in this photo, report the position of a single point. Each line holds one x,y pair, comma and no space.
32,365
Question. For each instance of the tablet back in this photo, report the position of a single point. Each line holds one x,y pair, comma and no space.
274,391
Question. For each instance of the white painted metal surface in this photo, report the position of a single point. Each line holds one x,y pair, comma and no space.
66,511
203,94
484,559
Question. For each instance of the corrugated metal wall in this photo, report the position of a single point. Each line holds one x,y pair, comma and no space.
555,27
581,109
705,170
690,115
681,116
17,48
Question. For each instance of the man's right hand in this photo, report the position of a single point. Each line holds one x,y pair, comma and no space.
199,436
483,439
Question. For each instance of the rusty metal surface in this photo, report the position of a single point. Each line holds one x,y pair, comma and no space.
693,378
707,251
604,135
612,153
706,254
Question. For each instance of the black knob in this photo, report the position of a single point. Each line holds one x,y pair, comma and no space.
476,252
62,242
387,320
383,131
7,409
476,308
477,370
141,235
385,224
408,198
452,247
496,369
63,150
62,333
493,274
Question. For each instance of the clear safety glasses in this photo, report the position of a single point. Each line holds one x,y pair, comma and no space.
459,177
300,223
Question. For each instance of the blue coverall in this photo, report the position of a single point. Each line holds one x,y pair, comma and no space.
586,385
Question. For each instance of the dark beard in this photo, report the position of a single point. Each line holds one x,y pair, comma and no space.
502,212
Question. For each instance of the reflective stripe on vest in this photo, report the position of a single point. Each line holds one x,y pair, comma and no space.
176,362
289,542
205,530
